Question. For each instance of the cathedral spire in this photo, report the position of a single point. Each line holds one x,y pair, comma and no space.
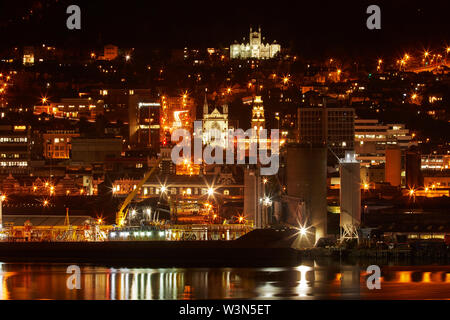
205,106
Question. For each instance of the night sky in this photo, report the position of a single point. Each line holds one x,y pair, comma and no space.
311,28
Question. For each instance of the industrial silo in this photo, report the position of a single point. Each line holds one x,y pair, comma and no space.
252,196
306,177
350,193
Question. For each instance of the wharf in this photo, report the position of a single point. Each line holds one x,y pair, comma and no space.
395,253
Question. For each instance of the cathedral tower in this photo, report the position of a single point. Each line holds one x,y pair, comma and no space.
205,106
258,120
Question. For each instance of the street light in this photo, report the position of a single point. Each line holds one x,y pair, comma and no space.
303,231
380,61
267,201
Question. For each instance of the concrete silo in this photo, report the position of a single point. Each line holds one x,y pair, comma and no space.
253,190
306,177
350,195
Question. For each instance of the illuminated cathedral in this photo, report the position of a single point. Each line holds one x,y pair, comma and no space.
215,120
254,48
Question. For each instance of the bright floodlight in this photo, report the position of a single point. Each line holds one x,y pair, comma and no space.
210,191
303,231
267,201
163,189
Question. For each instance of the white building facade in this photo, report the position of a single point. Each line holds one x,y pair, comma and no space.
254,48
372,138
215,124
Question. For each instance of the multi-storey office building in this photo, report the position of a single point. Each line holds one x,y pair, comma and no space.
15,146
373,138
58,143
330,127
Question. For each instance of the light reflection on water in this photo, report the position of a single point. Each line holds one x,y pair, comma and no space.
307,281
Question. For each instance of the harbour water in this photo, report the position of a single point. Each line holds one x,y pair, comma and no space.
309,280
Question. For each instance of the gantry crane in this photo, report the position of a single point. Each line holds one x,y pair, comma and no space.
123,211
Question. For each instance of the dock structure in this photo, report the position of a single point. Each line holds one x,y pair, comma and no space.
39,228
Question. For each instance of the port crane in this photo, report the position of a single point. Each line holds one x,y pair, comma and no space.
123,210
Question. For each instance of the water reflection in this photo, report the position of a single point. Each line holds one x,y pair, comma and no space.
311,280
